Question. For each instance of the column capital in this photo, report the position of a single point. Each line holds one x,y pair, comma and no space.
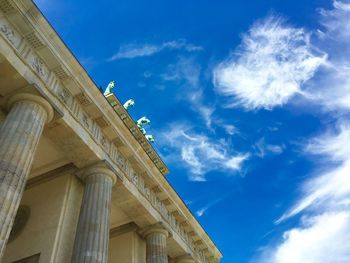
97,169
183,259
156,228
34,99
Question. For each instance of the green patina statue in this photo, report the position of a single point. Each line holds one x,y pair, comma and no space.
109,89
150,138
143,131
129,104
142,122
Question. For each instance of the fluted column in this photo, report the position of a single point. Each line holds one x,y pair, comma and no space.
19,137
92,235
156,244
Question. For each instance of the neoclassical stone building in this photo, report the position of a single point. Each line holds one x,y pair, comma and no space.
79,182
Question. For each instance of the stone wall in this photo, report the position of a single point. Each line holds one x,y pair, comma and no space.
50,228
127,248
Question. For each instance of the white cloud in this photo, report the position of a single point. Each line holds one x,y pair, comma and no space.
200,153
332,87
130,51
269,67
274,63
230,129
332,186
187,73
200,212
262,148
336,21
329,189
320,239
333,145
323,235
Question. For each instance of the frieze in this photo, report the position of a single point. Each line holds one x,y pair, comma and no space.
9,33
104,142
39,67
64,95
121,160
85,119
135,179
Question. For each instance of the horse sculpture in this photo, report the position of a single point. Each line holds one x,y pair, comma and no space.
109,89
149,138
142,122
129,104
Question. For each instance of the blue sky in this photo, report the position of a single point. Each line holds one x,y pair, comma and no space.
249,103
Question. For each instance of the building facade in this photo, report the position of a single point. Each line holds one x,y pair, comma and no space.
79,182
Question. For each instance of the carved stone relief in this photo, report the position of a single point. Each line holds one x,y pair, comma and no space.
64,95
85,119
38,66
8,32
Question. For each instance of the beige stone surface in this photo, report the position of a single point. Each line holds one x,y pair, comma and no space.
127,248
183,259
68,221
51,226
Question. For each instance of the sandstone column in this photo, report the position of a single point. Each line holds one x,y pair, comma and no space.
19,137
156,241
92,235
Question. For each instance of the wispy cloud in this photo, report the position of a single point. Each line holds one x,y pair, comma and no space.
322,235
200,153
130,51
200,212
332,87
262,148
187,73
320,239
332,186
230,129
269,67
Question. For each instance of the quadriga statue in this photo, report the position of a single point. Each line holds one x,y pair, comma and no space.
142,122
129,104
109,89
150,138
